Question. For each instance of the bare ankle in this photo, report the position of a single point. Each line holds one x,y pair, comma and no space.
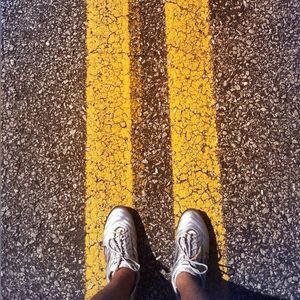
125,274
189,287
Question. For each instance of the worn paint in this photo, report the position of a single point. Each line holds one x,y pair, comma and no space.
108,153
196,171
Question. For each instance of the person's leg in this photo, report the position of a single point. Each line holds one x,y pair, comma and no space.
120,249
191,256
189,287
120,286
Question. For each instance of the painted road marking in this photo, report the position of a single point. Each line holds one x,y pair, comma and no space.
108,154
196,171
109,178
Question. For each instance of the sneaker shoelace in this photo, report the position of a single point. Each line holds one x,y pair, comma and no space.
118,244
186,243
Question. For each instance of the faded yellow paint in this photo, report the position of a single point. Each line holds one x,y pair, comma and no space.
196,171
108,153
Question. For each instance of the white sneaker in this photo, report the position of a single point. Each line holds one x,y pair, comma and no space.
192,247
120,243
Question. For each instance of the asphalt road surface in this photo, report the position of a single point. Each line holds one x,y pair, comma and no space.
44,133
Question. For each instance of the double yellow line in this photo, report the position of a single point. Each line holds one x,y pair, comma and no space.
109,178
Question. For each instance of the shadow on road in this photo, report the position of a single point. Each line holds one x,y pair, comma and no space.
218,288
153,284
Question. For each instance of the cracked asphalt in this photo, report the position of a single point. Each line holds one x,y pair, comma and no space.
43,144
255,67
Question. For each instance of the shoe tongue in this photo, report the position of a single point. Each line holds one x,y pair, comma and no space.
130,264
125,264
186,267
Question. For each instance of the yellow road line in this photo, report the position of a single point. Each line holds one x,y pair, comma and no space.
196,170
108,161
